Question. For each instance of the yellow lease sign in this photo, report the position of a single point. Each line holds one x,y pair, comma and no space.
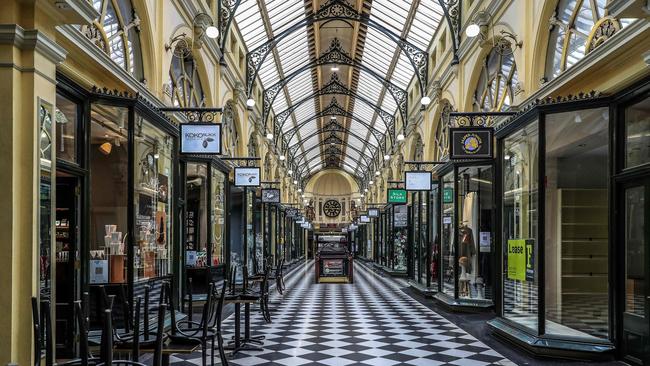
517,259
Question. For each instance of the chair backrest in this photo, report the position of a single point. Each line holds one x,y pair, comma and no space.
160,335
245,277
106,352
145,325
82,325
217,304
233,278
126,309
208,310
135,351
36,320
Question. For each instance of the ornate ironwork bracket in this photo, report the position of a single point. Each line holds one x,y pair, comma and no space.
226,10
475,119
452,12
423,165
196,114
334,55
242,162
396,184
334,86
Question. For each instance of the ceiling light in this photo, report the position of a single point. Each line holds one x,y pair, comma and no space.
473,30
371,182
282,157
212,32
335,68
333,118
425,101
361,194
400,137
295,182
250,103
377,173
507,157
577,118
290,171
386,157
303,196
299,189
156,156
365,190
269,136
106,148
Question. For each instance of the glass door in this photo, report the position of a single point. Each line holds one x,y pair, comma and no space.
636,309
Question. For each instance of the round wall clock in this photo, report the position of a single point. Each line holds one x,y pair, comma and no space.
332,208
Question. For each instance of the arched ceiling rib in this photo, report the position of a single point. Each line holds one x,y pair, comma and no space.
299,103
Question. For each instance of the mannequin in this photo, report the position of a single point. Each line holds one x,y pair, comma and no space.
467,250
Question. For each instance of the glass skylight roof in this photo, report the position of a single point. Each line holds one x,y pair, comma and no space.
380,54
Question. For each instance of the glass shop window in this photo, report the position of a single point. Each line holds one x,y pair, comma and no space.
447,219
153,188
637,134
474,232
109,162
576,224
519,217
196,211
66,128
218,216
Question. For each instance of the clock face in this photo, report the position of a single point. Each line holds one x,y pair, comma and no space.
332,208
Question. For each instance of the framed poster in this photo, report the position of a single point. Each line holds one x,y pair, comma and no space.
396,195
270,195
247,177
470,143
373,212
400,216
418,181
200,138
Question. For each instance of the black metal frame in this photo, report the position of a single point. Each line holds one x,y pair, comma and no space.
619,176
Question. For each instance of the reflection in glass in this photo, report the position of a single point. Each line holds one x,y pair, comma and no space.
576,223
109,162
66,129
435,235
196,219
635,245
475,232
218,216
447,219
519,217
637,134
46,181
153,188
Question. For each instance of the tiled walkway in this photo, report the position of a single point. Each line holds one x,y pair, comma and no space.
371,322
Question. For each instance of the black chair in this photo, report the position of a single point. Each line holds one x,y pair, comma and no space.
42,326
85,358
201,334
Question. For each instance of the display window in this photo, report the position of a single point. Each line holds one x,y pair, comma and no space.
196,214
576,223
448,249
66,117
519,216
434,235
637,135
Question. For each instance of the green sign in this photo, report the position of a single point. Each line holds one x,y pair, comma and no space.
521,260
396,195
448,195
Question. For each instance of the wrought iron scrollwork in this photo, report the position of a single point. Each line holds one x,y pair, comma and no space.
451,10
197,114
475,119
226,10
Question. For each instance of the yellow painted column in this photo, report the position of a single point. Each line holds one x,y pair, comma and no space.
28,59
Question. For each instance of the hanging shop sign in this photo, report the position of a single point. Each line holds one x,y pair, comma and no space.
373,212
396,195
364,219
448,195
521,259
270,195
292,212
418,181
471,142
200,138
400,216
247,177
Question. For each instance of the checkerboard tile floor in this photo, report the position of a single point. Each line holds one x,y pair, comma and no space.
371,322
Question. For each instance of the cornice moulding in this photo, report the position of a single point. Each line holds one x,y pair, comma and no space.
32,39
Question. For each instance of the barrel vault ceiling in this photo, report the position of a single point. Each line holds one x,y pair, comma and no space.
308,130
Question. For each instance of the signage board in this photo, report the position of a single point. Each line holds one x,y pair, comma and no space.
400,216
200,138
247,177
292,212
448,195
270,195
373,212
364,219
470,142
396,195
418,181
521,259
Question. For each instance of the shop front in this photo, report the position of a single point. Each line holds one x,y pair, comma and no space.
573,227
204,222
424,244
115,201
466,254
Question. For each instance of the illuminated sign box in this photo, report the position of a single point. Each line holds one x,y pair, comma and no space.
270,195
373,212
418,181
364,219
470,143
247,177
396,195
200,138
